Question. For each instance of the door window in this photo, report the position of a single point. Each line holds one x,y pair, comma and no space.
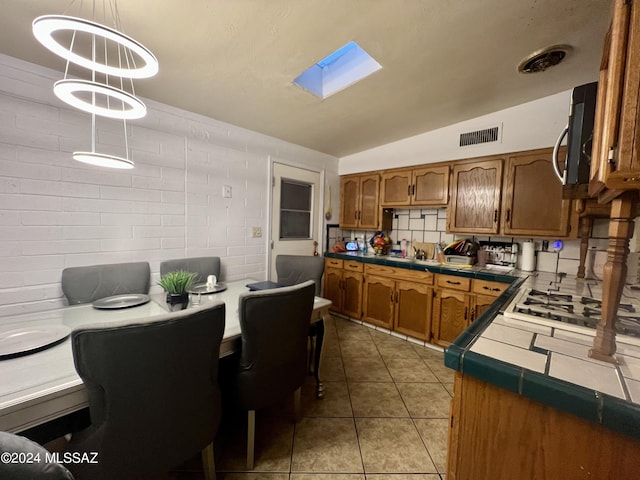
295,210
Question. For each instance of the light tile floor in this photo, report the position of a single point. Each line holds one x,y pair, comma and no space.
384,417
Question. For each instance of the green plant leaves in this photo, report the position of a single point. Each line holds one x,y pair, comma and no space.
177,282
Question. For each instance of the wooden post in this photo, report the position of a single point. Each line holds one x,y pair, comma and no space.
585,230
614,275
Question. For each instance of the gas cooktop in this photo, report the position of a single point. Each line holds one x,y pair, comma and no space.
571,312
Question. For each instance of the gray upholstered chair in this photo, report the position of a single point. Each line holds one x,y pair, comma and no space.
274,325
293,269
203,266
87,284
153,393
39,469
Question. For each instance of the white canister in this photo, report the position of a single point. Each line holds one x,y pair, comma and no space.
528,257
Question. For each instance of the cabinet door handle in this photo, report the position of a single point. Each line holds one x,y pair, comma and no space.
508,214
492,289
355,214
495,216
453,283
408,189
473,314
396,296
413,189
466,311
391,300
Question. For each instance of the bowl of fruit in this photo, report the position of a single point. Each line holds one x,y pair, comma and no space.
381,243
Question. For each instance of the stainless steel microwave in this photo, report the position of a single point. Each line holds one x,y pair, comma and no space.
579,132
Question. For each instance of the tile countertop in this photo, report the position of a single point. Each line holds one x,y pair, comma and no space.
491,273
549,365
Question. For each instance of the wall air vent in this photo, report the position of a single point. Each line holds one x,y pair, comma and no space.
480,136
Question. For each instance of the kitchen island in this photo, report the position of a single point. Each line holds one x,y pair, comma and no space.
528,402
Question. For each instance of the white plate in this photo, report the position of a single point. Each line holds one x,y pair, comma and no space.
26,340
121,301
203,289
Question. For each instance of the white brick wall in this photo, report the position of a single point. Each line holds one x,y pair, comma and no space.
57,213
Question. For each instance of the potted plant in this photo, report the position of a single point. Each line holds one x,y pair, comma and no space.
176,285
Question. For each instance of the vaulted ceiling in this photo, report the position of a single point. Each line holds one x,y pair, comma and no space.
443,61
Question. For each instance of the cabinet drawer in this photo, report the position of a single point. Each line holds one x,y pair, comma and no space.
395,273
333,263
453,282
485,287
353,266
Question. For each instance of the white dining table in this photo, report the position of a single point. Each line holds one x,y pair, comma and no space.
40,387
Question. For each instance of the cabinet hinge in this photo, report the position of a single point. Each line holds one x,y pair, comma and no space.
451,425
612,157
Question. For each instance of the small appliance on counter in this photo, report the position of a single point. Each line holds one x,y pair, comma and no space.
499,253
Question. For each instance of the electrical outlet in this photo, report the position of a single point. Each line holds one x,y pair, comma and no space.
257,232
226,191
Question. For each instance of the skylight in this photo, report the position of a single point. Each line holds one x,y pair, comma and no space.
337,71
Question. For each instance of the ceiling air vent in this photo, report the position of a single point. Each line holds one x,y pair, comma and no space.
480,136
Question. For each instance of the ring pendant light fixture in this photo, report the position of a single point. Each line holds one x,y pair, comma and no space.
113,57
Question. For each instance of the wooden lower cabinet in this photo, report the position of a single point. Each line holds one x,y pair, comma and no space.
451,310
458,302
413,307
500,435
479,304
352,299
332,287
408,301
378,304
399,300
343,286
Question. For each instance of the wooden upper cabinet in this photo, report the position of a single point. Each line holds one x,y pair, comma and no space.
532,204
360,201
475,196
615,163
431,185
428,186
369,202
396,188
349,201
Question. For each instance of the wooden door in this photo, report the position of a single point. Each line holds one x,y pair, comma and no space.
413,309
349,198
479,304
332,288
450,316
533,203
352,294
475,197
378,301
369,202
395,189
430,186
